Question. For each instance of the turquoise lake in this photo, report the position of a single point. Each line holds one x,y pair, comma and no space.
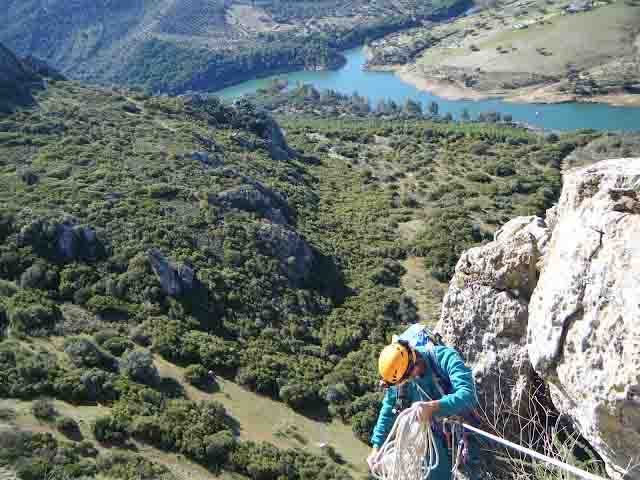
378,85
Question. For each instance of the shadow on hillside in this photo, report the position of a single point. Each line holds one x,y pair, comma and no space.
318,412
171,388
233,425
210,387
328,279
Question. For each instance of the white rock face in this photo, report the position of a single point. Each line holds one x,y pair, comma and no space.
485,315
584,314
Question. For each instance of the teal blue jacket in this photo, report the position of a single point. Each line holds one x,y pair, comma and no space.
461,399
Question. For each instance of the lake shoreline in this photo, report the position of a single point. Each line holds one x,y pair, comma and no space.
539,95
385,86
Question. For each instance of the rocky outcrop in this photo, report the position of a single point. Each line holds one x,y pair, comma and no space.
65,240
16,81
72,239
246,116
485,313
11,70
207,159
295,256
584,323
255,197
558,301
175,280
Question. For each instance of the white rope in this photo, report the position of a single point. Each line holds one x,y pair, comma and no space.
409,452
557,463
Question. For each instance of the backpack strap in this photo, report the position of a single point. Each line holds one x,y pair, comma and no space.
439,378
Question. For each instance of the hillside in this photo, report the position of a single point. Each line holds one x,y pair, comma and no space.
535,51
178,45
147,241
16,81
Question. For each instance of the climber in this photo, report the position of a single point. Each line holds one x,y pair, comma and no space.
449,384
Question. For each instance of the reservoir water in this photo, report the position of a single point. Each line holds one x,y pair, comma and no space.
386,85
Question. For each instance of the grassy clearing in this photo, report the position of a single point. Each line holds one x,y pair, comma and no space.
262,419
425,290
610,31
181,467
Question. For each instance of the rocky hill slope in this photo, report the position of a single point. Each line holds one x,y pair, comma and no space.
548,314
176,45
15,80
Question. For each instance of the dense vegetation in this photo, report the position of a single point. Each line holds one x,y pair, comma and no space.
198,44
136,225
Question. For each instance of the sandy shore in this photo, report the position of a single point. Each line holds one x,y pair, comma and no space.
542,95
446,90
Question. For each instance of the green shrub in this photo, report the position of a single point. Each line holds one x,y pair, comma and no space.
26,373
218,447
118,345
138,366
162,190
40,277
107,305
7,289
44,410
83,352
103,335
126,466
197,375
183,426
504,170
67,426
299,395
110,430
32,313
478,177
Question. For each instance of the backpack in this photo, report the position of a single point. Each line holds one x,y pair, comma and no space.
419,335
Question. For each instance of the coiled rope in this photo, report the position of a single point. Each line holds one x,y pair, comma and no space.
410,451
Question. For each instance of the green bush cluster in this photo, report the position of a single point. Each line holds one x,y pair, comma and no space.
223,301
39,455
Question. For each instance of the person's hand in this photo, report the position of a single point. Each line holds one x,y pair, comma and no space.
371,459
427,409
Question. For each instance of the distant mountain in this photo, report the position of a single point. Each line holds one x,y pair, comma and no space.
175,45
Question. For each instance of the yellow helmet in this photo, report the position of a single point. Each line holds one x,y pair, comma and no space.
395,362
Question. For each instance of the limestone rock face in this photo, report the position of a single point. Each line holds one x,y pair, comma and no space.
584,323
294,254
11,70
207,159
484,314
71,241
256,197
175,281
245,115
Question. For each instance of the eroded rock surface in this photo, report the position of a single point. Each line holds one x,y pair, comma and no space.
485,315
584,323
